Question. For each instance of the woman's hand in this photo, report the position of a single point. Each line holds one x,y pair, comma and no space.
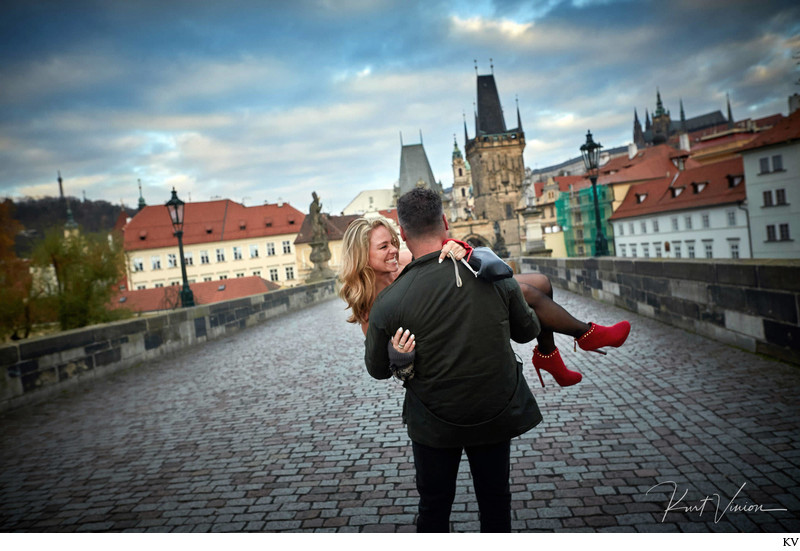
453,249
403,341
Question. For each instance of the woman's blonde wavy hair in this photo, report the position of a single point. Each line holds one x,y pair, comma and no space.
356,275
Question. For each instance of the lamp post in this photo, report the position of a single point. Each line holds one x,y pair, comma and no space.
175,208
591,158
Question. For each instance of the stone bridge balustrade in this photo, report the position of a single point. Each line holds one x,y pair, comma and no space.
751,304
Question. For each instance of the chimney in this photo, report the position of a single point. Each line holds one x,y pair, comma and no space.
632,150
684,142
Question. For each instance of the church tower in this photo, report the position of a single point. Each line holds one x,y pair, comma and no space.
462,182
495,156
638,135
661,122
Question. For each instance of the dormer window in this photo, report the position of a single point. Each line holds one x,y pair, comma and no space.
291,220
209,229
143,235
697,187
242,224
640,197
734,181
677,191
268,222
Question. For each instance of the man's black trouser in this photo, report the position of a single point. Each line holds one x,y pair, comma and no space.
437,469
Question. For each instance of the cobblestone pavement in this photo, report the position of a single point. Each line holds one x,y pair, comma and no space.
281,429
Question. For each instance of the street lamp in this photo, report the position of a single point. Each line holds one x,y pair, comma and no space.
591,158
175,208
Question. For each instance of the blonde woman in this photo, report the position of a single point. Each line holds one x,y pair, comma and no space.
372,260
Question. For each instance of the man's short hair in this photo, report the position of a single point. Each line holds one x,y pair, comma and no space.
419,212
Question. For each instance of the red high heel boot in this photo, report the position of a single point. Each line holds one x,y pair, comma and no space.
554,365
599,336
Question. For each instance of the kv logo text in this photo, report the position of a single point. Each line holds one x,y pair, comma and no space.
790,542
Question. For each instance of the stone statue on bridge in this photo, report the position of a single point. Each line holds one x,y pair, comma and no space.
499,246
320,252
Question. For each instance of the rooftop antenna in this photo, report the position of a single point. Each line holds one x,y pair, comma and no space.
491,65
476,65
60,186
401,138
420,136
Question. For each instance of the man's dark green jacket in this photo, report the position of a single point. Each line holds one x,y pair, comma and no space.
465,369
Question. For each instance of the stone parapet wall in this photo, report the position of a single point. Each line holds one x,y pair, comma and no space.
751,304
34,369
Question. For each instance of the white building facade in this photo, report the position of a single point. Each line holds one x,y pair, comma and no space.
772,170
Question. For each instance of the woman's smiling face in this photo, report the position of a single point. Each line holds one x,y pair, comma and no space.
382,252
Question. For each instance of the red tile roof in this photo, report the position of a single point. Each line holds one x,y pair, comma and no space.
564,183
210,222
785,131
702,186
206,292
647,164
334,226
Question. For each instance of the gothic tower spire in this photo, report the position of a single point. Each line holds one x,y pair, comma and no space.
730,113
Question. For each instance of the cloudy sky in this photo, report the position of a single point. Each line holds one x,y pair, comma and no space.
261,100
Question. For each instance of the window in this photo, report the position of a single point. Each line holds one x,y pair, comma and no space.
621,230
633,250
287,247
289,272
657,248
158,285
257,273
207,279
140,287
688,221
138,265
784,229
731,217
237,253
578,218
630,228
509,210
646,250
734,246
270,249
203,257
777,163
189,259
579,234
655,226
780,197
768,198
552,211
220,255
644,227
253,251
690,249
763,164
706,220
709,248
674,224
155,262
676,246
463,189
175,283
240,274
273,274
172,260
771,233
223,277
622,250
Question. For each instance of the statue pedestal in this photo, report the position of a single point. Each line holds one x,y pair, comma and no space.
320,255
